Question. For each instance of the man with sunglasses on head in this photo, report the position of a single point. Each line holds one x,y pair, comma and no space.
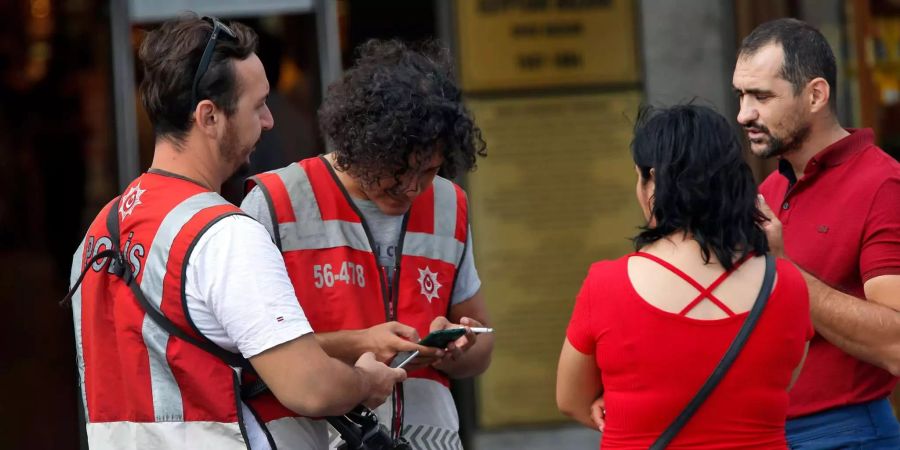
181,303
378,246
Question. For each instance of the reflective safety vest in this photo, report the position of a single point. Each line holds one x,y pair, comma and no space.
142,386
327,248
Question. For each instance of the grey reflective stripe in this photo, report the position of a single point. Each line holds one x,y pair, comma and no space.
444,207
155,268
308,229
77,265
442,245
303,199
310,232
442,248
430,416
166,435
167,404
299,433
333,233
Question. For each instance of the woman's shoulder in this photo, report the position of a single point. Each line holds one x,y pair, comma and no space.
788,273
605,282
790,282
608,268
605,277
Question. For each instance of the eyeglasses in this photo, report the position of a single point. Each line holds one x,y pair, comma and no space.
218,27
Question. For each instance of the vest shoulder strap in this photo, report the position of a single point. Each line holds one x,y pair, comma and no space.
263,182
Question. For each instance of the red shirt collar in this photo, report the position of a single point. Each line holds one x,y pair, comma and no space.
833,155
840,151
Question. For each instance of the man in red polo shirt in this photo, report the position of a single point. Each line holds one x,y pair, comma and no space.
836,203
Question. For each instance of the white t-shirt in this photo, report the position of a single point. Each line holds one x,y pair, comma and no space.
240,297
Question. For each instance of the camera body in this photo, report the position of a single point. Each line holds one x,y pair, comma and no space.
360,430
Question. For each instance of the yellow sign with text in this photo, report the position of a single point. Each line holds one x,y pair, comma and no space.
555,194
527,44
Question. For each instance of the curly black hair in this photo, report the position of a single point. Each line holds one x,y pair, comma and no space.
397,102
703,185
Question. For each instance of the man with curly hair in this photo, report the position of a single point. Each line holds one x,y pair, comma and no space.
377,245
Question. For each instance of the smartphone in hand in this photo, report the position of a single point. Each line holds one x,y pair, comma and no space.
437,339
403,358
442,338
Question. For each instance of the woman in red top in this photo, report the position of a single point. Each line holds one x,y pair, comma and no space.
649,328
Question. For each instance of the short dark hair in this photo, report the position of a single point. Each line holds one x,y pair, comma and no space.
170,55
703,185
807,54
395,102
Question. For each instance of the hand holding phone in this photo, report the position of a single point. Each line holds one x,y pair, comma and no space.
436,339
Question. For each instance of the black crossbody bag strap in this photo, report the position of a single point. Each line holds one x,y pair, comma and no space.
733,350
122,269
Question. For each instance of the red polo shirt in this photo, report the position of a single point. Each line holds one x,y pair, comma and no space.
842,225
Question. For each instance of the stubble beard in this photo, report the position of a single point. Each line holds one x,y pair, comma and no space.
232,153
780,146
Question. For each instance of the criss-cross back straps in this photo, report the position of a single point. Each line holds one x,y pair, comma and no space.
705,292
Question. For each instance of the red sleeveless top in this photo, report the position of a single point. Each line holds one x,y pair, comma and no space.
652,362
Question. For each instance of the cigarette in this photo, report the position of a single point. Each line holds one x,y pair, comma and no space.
481,330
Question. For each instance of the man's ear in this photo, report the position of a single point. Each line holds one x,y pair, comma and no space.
206,117
819,93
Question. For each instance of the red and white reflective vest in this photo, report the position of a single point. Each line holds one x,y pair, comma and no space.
328,252
141,386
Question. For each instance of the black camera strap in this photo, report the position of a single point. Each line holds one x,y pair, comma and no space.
120,267
360,430
725,363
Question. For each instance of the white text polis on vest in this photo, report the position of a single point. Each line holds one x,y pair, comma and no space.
133,254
